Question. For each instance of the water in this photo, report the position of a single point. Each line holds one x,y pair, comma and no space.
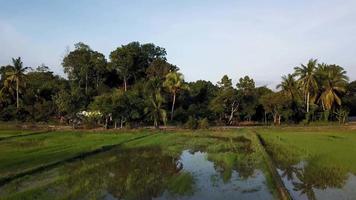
316,178
208,183
149,173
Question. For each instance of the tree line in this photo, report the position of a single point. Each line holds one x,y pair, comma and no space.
137,86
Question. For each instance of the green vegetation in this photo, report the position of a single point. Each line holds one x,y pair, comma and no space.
314,162
145,167
137,86
334,145
11,133
26,153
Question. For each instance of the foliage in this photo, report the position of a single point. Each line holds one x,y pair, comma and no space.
192,123
203,123
137,86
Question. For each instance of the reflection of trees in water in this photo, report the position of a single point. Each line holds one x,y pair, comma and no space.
131,174
318,174
226,163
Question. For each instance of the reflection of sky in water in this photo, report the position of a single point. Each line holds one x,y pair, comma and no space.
209,185
348,190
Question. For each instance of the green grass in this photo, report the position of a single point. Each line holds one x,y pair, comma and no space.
10,133
331,145
25,153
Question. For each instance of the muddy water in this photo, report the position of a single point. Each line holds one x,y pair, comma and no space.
148,173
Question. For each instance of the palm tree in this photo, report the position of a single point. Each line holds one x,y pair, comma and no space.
154,102
333,82
174,83
16,74
289,85
307,79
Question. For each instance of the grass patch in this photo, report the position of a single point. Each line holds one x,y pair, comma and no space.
291,145
26,153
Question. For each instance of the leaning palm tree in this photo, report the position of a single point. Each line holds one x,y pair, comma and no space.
333,83
288,85
307,79
174,83
16,74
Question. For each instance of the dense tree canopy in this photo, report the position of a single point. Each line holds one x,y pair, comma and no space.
137,86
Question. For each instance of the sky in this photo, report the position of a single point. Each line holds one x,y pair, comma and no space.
204,38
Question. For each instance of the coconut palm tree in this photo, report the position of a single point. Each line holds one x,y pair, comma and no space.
289,85
154,102
174,83
307,79
333,81
16,74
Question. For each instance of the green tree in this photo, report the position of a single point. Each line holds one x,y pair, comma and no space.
307,79
123,60
333,82
349,99
276,104
160,68
154,102
16,74
289,85
227,102
84,66
174,83
246,88
41,86
103,104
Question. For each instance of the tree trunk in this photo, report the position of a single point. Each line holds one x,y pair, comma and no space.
231,116
97,82
106,122
274,118
125,84
279,119
322,103
17,93
156,124
265,117
121,123
308,97
233,110
174,101
86,83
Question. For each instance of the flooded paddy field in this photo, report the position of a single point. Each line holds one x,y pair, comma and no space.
314,164
229,164
201,165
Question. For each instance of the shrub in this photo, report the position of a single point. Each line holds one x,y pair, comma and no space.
203,123
192,123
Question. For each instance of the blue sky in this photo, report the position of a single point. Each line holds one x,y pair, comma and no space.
206,39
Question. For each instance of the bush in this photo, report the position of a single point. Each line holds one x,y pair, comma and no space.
203,123
192,123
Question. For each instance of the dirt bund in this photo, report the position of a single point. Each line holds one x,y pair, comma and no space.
281,189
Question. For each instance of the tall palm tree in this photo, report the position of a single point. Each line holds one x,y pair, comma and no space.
307,79
333,82
174,83
16,74
289,85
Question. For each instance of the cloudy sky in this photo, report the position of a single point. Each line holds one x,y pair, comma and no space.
206,39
